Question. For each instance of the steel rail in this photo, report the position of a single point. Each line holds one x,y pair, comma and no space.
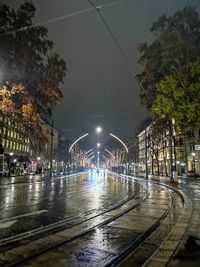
131,247
85,232
13,241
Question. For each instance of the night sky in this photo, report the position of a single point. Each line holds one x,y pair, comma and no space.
99,87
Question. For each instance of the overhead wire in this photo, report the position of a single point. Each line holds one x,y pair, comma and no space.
48,21
98,10
56,19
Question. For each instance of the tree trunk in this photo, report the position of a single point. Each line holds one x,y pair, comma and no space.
158,166
174,141
171,149
146,163
152,169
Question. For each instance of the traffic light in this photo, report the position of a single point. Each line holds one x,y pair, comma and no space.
1,149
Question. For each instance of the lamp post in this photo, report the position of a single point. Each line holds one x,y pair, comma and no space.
193,161
51,149
9,163
146,156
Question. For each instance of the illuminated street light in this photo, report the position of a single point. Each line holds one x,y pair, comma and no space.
110,153
38,158
98,152
98,144
98,129
15,160
11,153
81,137
117,138
88,156
89,151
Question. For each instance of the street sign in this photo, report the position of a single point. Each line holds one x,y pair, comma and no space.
197,147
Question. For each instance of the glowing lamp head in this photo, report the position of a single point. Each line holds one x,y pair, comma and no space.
98,129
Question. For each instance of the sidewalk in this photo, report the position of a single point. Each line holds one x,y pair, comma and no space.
187,252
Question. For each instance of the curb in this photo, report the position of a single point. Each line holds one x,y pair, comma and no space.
164,253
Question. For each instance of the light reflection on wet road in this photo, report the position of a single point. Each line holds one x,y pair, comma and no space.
100,215
35,203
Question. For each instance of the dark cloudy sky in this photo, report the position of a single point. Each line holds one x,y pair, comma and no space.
99,88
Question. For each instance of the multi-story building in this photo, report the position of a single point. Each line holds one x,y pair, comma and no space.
23,153
14,139
154,152
43,151
16,147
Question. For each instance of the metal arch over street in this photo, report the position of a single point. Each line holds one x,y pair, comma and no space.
117,138
91,157
81,137
88,156
110,153
89,151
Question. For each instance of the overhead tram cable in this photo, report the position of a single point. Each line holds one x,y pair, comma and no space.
56,19
98,10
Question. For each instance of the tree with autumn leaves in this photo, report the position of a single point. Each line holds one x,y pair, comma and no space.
30,72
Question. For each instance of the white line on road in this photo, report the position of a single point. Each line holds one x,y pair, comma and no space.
7,224
23,215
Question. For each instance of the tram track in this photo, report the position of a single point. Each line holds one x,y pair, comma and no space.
120,255
16,240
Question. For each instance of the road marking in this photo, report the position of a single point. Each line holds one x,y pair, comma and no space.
23,215
7,224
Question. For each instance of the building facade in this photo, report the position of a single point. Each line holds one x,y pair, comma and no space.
16,146
24,153
154,151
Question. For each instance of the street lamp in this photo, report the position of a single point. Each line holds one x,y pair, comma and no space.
98,129
98,144
193,155
9,164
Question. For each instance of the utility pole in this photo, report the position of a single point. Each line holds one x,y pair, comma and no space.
146,160
51,149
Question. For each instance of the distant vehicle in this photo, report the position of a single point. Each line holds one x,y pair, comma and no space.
192,174
3,173
90,170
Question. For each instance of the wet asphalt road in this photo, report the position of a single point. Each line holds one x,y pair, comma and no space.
96,200
35,202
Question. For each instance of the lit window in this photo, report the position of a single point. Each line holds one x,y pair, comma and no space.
7,144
